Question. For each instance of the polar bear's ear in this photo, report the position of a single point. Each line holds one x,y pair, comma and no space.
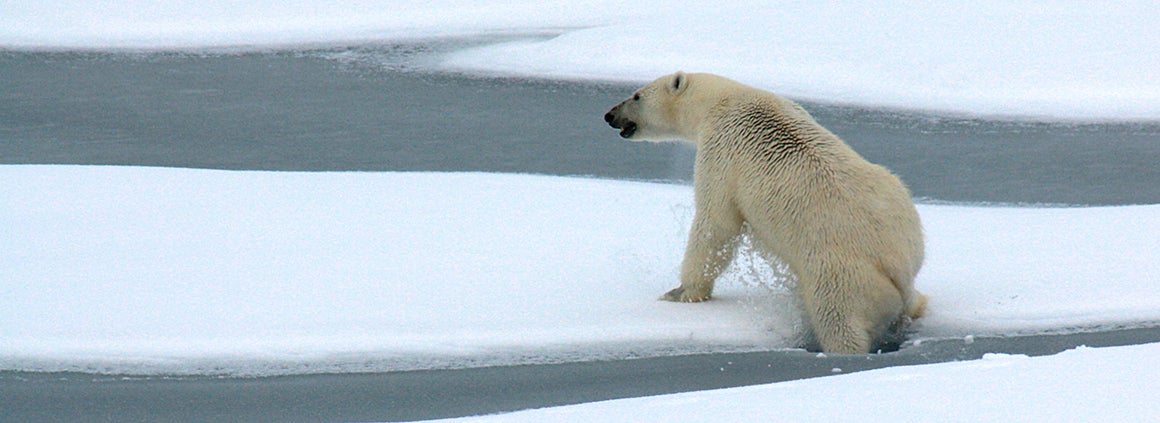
680,81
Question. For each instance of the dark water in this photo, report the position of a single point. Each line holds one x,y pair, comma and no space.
379,108
374,109
429,394
311,112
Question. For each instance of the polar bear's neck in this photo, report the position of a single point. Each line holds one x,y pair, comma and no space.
706,101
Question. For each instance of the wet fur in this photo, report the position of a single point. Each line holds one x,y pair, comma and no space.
847,228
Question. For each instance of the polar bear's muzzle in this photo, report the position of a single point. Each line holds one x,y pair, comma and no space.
626,127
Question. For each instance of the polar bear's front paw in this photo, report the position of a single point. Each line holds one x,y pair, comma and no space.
681,296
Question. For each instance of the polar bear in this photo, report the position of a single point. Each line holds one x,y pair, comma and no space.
846,228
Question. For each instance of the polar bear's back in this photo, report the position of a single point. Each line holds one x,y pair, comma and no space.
803,189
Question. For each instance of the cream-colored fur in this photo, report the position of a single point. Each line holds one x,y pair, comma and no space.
846,227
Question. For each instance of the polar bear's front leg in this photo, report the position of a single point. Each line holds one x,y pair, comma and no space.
712,244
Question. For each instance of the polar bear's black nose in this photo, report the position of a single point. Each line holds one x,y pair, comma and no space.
608,117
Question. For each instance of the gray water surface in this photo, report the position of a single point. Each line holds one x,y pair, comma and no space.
306,112
430,394
368,109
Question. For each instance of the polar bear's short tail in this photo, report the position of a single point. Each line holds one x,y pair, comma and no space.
917,305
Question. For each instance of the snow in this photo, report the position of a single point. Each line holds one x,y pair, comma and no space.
1085,384
191,271
1033,59
181,271
181,24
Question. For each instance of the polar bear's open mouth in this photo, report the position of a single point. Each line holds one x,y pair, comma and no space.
628,129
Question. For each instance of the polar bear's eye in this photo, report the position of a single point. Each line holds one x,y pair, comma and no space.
636,97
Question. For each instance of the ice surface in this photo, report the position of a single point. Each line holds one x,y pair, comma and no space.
152,270
1041,59
1027,59
181,24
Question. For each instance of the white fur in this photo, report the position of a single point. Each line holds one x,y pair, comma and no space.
846,227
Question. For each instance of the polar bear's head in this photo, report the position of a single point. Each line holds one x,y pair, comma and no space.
652,114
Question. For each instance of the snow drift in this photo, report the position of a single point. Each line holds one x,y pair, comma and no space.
153,270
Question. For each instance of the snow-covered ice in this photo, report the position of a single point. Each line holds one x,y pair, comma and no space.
1040,59
196,271
1026,59
155,270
